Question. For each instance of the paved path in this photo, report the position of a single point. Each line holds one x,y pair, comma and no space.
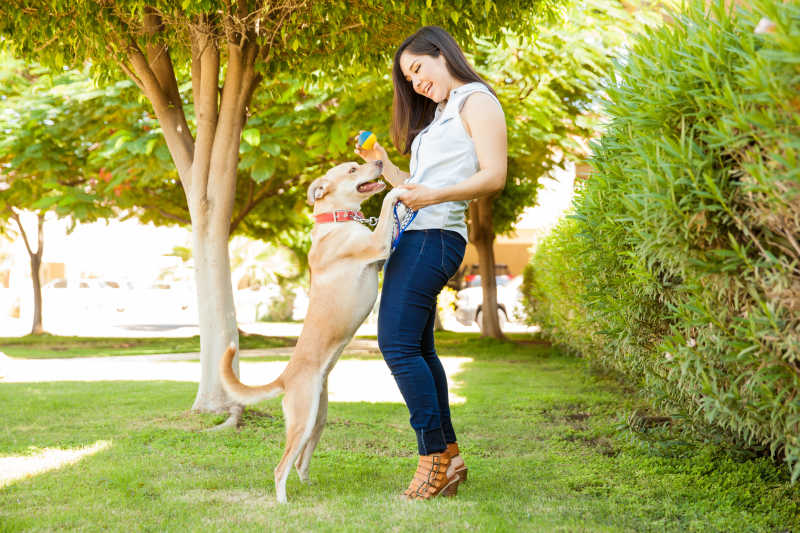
62,325
351,380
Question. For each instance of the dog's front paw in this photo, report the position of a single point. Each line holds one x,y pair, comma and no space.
392,200
391,196
402,209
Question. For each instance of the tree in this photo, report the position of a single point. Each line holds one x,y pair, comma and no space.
243,44
48,121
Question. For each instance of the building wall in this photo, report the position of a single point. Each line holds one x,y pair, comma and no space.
513,251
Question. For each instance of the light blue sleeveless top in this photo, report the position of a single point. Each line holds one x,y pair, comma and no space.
442,155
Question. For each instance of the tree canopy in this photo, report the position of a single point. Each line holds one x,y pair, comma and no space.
241,45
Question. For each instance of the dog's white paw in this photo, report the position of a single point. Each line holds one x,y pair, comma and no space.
391,196
401,210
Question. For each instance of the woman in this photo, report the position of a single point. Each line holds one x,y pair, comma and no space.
445,114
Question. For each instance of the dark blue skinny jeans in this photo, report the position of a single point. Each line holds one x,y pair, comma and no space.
414,275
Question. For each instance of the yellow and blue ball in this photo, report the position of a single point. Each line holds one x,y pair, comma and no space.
366,140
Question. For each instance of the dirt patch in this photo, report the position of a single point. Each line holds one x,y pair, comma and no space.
601,445
577,417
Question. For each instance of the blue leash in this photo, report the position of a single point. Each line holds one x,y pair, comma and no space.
402,225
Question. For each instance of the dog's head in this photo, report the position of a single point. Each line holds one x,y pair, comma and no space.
345,186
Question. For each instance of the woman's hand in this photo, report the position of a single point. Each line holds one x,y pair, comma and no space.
416,196
373,154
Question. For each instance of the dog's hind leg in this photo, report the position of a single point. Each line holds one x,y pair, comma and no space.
300,405
304,459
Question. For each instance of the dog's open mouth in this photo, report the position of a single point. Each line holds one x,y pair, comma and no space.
370,186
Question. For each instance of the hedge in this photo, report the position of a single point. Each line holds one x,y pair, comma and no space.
680,266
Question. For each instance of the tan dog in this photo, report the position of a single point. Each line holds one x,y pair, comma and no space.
344,260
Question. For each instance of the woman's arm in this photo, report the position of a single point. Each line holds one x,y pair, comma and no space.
391,172
486,124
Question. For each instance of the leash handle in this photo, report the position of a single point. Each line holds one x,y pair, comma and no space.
402,225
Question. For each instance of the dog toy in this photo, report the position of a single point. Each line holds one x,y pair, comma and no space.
366,140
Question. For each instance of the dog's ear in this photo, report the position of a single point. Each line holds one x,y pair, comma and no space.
317,189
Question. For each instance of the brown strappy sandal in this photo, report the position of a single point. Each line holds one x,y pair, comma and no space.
456,470
430,479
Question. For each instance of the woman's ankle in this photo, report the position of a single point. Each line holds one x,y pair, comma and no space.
452,449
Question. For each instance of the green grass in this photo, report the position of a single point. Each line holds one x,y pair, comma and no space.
544,438
50,346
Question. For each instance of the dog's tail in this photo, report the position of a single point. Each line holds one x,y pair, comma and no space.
240,392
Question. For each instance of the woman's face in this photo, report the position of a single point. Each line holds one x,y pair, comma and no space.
428,75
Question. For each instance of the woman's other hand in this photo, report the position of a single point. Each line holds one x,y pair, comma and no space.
373,154
416,196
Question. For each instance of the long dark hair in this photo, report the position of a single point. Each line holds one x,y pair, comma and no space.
411,111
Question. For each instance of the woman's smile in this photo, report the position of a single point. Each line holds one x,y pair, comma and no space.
420,71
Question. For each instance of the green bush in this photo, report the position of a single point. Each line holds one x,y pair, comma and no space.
681,266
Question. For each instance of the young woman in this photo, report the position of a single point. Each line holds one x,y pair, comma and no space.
446,115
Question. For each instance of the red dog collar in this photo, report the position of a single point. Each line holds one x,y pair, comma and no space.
340,215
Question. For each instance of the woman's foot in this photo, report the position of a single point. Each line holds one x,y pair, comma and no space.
430,479
456,470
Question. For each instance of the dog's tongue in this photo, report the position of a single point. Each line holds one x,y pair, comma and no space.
369,186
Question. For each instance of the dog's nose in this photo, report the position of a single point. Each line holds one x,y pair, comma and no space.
379,163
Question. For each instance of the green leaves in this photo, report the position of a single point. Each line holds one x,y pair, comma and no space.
48,120
252,136
680,268
263,169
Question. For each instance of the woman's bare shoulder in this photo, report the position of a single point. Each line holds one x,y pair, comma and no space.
481,109
479,100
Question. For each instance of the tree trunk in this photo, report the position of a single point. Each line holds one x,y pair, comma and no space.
36,263
482,236
217,314
206,165
36,266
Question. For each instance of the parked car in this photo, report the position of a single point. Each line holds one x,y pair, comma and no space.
500,280
469,303
471,276
75,296
63,283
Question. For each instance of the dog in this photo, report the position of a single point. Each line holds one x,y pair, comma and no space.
344,261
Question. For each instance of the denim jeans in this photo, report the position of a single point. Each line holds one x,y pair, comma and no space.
413,277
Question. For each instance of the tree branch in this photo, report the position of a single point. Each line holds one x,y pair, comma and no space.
160,60
225,152
128,72
267,52
40,218
159,63
250,78
167,214
15,216
205,79
251,204
169,112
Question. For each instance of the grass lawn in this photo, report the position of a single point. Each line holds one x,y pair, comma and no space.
544,437
49,346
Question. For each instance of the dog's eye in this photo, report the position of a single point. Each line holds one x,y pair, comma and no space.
352,169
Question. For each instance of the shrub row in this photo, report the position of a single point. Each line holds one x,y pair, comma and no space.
680,266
